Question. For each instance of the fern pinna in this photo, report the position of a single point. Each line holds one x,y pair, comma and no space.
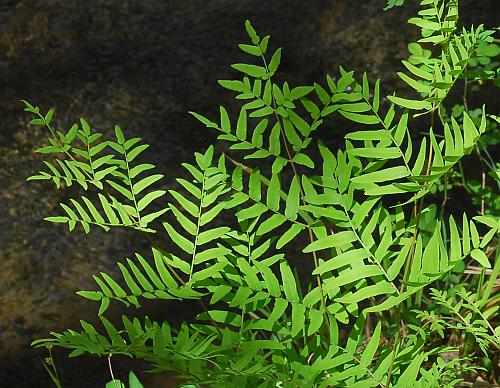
233,215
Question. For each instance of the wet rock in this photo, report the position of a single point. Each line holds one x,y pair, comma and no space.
143,65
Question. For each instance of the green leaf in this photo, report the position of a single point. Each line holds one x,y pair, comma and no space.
241,125
145,182
139,276
376,153
387,174
300,91
251,70
299,123
92,295
133,381
182,242
204,120
38,122
275,61
122,190
131,155
419,72
165,276
356,107
289,235
410,104
470,132
366,292
70,212
212,234
480,257
259,154
353,275
425,23
489,221
225,124
273,193
131,142
119,135
186,204
303,159
290,133
233,85
29,107
57,219
221,316
298,318
115,384
129,280
249,49
378,135
401,129
330,241
48,116
81,211
251,32
345,258
289,282
139,169
316,321
148,198
410,374
264,43
417,85
397,264
265,111
465,235
371,348
360,118
146,219
270,224
188,225
48,150
108,210
118,291
376,96
293,199
275,140
420,161
322,94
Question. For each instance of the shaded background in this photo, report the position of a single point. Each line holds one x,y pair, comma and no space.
142,64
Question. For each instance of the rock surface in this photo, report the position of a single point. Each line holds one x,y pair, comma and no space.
142,64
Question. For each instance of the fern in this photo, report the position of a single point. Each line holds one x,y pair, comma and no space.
233,215
109,166
435,76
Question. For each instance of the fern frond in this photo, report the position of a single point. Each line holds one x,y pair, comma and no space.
433,77
89,162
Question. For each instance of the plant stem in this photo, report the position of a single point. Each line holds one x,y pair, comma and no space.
417,211
301,190
111,368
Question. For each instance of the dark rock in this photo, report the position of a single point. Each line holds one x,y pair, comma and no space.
143,65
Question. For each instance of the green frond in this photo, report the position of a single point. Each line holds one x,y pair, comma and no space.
433,77
374,263
89,162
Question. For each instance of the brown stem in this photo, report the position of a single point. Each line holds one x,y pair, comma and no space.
296,174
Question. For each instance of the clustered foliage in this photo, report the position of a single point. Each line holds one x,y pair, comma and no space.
386,299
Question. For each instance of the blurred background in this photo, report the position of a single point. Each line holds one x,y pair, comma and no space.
144,64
